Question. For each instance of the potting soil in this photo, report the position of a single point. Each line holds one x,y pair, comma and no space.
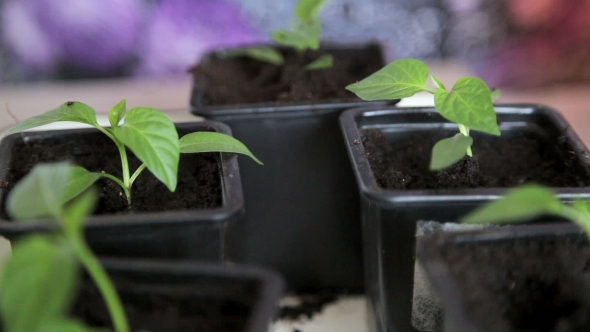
498,162
199,184
242,80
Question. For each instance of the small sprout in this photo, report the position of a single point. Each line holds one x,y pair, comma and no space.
528,202
147,132
303,35
39,281
468,104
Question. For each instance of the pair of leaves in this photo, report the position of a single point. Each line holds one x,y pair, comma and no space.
148,132
469,102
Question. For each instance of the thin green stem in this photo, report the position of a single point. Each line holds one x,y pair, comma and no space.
107,132
101,279
427,89
136,174
465,131
126,190
124,163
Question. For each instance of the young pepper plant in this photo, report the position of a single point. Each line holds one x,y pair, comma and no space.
303,35
468,104
147,132
40,280
528,202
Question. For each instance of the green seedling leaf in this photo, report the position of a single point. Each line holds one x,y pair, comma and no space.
76,211
308,9
437,83
469,104
496,93
117,113
304,36
266,54
519,205
66,325
79,181
323,62
44,186
213,142
70,111
399,79
448,151
38,283
582,211
152,137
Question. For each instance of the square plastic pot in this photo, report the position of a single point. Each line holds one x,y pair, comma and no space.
194,233
390,217
218,297
457,316
302,208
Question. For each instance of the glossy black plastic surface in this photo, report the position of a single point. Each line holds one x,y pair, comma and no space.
455,314
389,217
302,208
197,233
203,282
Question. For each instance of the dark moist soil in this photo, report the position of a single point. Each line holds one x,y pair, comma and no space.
541,286
242,80
199,184
505,161
222,312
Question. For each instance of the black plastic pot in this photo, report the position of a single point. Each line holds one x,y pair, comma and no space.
390,217
460,315
196,233
302,207
216,297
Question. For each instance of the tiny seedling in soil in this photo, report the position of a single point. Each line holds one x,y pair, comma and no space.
468,104
39,282
528,202
303,35
147,132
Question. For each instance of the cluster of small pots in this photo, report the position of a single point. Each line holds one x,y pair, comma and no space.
314,213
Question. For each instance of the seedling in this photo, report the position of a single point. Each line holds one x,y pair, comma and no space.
528,202
468,104
303,35
147,132
40,280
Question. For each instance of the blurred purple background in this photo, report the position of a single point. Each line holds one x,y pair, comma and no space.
509,43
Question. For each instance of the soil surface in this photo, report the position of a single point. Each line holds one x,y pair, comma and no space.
242,80
222,312
541,286
505,161
199,184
